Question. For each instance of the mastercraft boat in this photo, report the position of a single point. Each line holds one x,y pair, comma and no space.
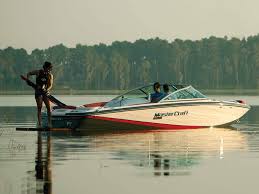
182,108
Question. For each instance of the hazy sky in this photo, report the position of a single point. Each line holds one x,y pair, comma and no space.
42,23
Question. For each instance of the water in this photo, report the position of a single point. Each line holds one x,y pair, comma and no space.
212,160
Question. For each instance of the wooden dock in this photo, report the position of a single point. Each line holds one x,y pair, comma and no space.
42,129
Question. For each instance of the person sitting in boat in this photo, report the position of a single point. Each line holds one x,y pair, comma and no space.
166,90
44,82
155,97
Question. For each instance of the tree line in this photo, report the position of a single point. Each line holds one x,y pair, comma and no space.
209,63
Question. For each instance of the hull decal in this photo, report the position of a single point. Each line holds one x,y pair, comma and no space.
141,123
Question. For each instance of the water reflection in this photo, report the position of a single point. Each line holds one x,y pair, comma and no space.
163,153
172,153
43,166
152,153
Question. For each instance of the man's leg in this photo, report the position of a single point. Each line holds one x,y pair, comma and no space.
39,107
47,104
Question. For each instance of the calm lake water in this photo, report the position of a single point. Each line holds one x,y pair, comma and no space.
202,161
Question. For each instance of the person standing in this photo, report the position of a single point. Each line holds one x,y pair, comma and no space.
44,82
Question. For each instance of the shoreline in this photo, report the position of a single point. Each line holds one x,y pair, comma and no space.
64,92
248,92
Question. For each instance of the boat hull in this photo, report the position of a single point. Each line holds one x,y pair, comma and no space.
175,116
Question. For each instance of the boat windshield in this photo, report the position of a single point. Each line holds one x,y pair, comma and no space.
139,95
184,93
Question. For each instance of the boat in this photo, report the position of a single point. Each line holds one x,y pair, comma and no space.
183,107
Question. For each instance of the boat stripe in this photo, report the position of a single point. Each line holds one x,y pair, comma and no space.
150,124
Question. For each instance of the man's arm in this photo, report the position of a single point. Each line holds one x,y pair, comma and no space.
35,72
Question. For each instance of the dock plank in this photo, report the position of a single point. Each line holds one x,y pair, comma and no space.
41,129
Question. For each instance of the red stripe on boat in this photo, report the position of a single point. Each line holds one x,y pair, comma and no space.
150,124
66,107
97,104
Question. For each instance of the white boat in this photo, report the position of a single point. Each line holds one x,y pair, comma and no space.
182,108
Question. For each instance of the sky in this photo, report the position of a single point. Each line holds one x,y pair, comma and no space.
40,24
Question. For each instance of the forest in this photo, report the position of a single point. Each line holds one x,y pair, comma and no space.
209,63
